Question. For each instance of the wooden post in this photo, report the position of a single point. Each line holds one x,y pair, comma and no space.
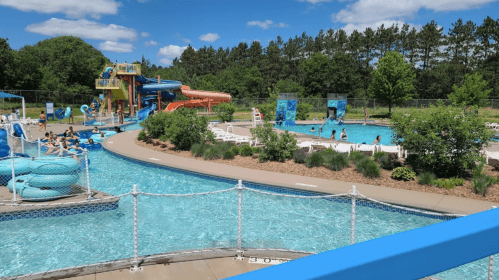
139,101
109,98
159,95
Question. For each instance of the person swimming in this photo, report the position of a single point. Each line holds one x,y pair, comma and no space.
377,140
313,129
333,135
96,130
90,141
343,135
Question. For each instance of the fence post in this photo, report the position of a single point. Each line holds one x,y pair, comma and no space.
22,145
39,147
352,233
89,192
135,261
239,219
491,262
13,176
492,104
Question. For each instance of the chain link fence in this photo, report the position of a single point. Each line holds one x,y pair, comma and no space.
38,98
238,220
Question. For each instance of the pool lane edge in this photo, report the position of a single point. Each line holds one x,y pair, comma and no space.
123,144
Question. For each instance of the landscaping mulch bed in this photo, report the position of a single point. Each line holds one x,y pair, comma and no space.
346,175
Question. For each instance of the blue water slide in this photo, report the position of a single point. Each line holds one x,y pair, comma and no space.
152,86
19,130
147,111
96,104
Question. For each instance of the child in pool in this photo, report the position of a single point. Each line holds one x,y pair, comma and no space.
90,141
102,136
96,130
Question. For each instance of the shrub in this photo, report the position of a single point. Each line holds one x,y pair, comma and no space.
357,156
224,111
229,154
268,111
246,151
314,160
426,178
162,138
224,146
156,124
198,149
403,173
142,135
302,111
368,167
387,163
481,182
301,155
235,149
457,181
212,153
446,140
257,150
379,155
337,161
185,128
278,147
444,183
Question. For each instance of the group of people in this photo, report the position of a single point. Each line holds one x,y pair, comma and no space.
59,145
344,136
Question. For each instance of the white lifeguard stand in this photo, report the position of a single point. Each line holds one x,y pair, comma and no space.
256,118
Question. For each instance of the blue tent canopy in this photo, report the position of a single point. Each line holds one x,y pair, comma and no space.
8,95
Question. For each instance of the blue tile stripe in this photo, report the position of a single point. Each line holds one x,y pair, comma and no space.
283,190
59,211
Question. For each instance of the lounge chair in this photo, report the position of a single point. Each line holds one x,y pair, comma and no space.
344,148
366,149
243,139
306,144
391,150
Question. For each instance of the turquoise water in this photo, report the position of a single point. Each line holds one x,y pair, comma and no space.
169,224
357,133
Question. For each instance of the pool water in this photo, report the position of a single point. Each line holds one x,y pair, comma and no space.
167,224
357,133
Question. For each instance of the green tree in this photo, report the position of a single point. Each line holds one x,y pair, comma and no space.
471,93
429,40
393,81
225,111
6,62
343,75
316,74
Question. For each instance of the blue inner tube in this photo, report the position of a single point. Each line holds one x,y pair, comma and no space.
91,147
21,166
60,114
53,181
19,130
20,182
54,166
68,112
28,193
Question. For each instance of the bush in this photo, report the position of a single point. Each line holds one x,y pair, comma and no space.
162,138
142,135
379,155
224,111
198,149
185,128
388,163
278,147
235,149
314,160
403,173
302,111
301,155
257,150
212,153
229,154
426,178
368,167
156,124
246,151
444,183
481,182
268,111
337,161
357,156
446,140
224,146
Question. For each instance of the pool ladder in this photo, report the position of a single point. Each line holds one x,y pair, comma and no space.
320,128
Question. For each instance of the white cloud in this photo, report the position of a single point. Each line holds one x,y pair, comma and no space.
71,8
144,34
116,47
266,24
361,27
371,11
84,29
170,52
151,43
210,37
314,1
185,40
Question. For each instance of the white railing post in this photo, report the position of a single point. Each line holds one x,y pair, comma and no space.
13,176
39,147
491,262
352,231
89,192
135,261
112,117
239,219
22,145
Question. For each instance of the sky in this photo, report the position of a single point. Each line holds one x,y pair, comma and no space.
160,30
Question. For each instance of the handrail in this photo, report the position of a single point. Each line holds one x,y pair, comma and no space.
320,128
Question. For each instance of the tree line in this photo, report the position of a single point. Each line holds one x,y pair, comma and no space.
330,62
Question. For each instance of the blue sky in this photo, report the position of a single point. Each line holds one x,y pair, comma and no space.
161,30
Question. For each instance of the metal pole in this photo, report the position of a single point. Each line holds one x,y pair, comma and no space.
22,145
13,176
39,147
135,231
352,233
89,192
239,220
491,262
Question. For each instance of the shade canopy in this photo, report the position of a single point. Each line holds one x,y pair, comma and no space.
8,95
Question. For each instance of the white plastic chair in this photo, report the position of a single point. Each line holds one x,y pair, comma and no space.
243,139
230,127
306,144
343,148
391,149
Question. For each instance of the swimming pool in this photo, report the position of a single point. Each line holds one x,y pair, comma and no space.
357,133
169,224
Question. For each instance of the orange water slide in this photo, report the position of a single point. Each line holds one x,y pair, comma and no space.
199,98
